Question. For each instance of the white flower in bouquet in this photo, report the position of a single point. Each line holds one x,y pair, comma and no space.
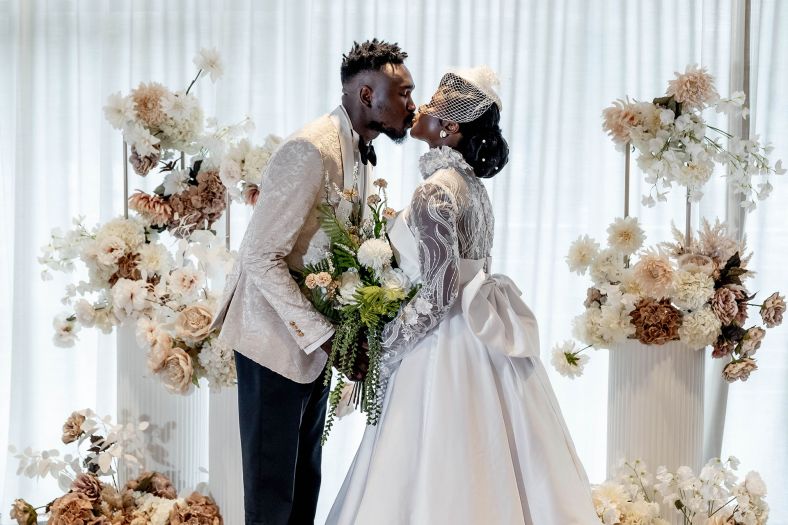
734,105
129,297
176,181
754,484
582,253
349,283
65,331
218,361
609,498
625,235
607,267
700,328
152,510
119,110
179,106
85,313
395,279
231,175
692,290
694,175
567,360
209,60
105,320
186,281
599,328
139,138
375,254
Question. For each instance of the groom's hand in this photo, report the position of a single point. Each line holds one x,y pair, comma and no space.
326,347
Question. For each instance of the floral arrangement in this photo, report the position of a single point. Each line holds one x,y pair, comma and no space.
132,276
358,286
675,144
674,292
88,478
242,167
713,497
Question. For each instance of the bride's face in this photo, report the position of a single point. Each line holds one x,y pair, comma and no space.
428,128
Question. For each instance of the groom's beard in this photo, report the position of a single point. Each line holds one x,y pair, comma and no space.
394,134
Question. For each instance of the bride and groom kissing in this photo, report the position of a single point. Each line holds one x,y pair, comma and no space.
470,431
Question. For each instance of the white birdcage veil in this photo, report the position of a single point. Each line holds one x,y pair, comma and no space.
463,95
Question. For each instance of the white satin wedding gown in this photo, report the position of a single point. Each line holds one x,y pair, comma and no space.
470,432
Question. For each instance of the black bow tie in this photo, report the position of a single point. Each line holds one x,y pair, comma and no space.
367,153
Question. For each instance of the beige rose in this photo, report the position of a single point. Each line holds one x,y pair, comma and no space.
89,485
193,323
724,305
160,350
323,279
72,428
72,509
196,510
177,371
23,512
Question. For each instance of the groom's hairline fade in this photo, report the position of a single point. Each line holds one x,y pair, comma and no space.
371,55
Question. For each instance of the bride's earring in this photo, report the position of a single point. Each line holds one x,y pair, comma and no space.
443,134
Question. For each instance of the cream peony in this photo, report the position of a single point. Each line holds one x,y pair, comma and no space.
177,371
129,297
395,279
349,283
700,328
186,281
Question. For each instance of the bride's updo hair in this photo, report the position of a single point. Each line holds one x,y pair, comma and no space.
483,145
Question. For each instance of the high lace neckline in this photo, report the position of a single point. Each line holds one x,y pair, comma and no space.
442,158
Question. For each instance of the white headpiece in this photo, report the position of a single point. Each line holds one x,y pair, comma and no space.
464,95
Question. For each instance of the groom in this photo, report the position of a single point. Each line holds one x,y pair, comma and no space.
281,341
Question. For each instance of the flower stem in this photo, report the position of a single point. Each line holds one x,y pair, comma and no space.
193,81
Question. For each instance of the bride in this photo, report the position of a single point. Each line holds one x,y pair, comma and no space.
470,431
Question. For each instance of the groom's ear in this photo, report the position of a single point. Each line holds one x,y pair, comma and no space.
365,95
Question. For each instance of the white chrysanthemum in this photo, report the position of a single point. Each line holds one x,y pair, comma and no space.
186,281
217,359
375,254
607,267
567,361
129,297
154,259
700,328
395,279
625,235
85,313
176,181
146,332
349,283
65,331
209,60
691,290
131,231
581,254
119,110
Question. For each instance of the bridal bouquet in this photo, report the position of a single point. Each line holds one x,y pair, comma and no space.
88,478
673,292
359,288
713,497
129,275
676,144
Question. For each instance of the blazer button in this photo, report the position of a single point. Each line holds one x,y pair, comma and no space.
300,333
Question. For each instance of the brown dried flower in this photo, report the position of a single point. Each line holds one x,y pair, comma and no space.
724,305
143,165
739,369
196,510
152,208
23,512
74,508
72,428
594,297
154,483
147,103
89,485
772,310
656,322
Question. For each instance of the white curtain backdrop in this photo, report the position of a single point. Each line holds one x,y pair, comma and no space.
560,64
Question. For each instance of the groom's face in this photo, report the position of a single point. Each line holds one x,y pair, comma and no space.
392,103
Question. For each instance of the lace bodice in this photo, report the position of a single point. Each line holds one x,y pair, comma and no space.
451,218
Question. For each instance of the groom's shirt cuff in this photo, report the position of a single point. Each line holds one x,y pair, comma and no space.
314,346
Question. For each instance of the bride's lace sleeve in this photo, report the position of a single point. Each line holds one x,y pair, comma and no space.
433,220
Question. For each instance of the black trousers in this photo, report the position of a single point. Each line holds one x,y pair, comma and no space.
281,424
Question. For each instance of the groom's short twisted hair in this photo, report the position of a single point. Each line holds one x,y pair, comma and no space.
370,56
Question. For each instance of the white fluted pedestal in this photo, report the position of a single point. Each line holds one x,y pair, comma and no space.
178,423
225,455
655,405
